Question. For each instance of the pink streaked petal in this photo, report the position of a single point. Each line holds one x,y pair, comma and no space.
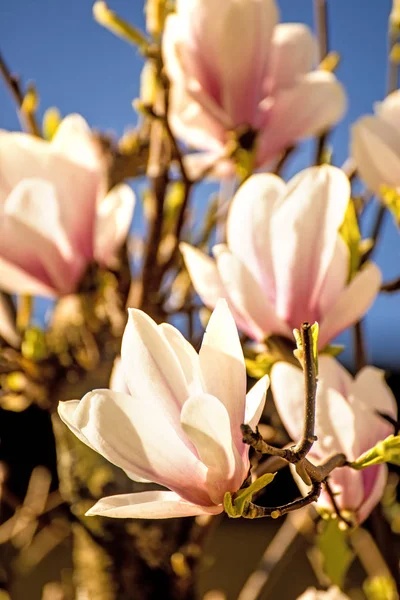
210,164
123,429
222,365
207,423
15,280
389,110
151,367
293,54
149,505
34,239
113,220
375,147
41,161
372,498
352,304
335,278
75,140
347,485
371,388
311,106
303,247
186,356
255,401
248,226
247,296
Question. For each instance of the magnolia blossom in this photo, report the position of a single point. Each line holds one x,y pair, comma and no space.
347,421
55,214
179,425
233,69
285,262
334,593
376,145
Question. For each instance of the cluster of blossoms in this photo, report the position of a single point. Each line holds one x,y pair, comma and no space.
173,416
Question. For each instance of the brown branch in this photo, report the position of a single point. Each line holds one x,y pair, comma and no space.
376,232
336,508
253,511
360,354
27,119
391,286
310,389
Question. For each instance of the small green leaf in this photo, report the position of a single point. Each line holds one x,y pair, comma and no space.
391,198
333,350
260,366
350,233
386,451
336,553
235,504
51,121
380,588
314,334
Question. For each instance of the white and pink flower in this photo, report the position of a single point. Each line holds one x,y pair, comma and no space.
56,216
232,67
179,425
285,261
348,421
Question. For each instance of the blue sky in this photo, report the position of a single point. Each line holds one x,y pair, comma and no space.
80,67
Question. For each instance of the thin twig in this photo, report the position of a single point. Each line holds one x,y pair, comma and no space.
27,119
360,354
253,511
321,24
336,508
391,286
310,389
376,231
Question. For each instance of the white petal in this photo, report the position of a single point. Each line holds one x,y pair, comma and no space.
206,422
389,110
370,386
315,103
375,148
33,237
247,297
113,220
223,368
151,367
303,245
352,304
204,275
117,379
76,141
293,54
186,356
255,401
248,226
149,505
17,281
130,433
335,278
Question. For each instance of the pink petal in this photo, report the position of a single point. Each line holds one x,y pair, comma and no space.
16,281
375,148
186,356
370,386
232,42
24,157
151,367
75,140
255,401
113,220
33,237
223,368
389,110
293,54
134,435
208,283
207,423
315,103
303,246
352,304
335,278
375,494
247,297
149,505
248,226
204,275
8,328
